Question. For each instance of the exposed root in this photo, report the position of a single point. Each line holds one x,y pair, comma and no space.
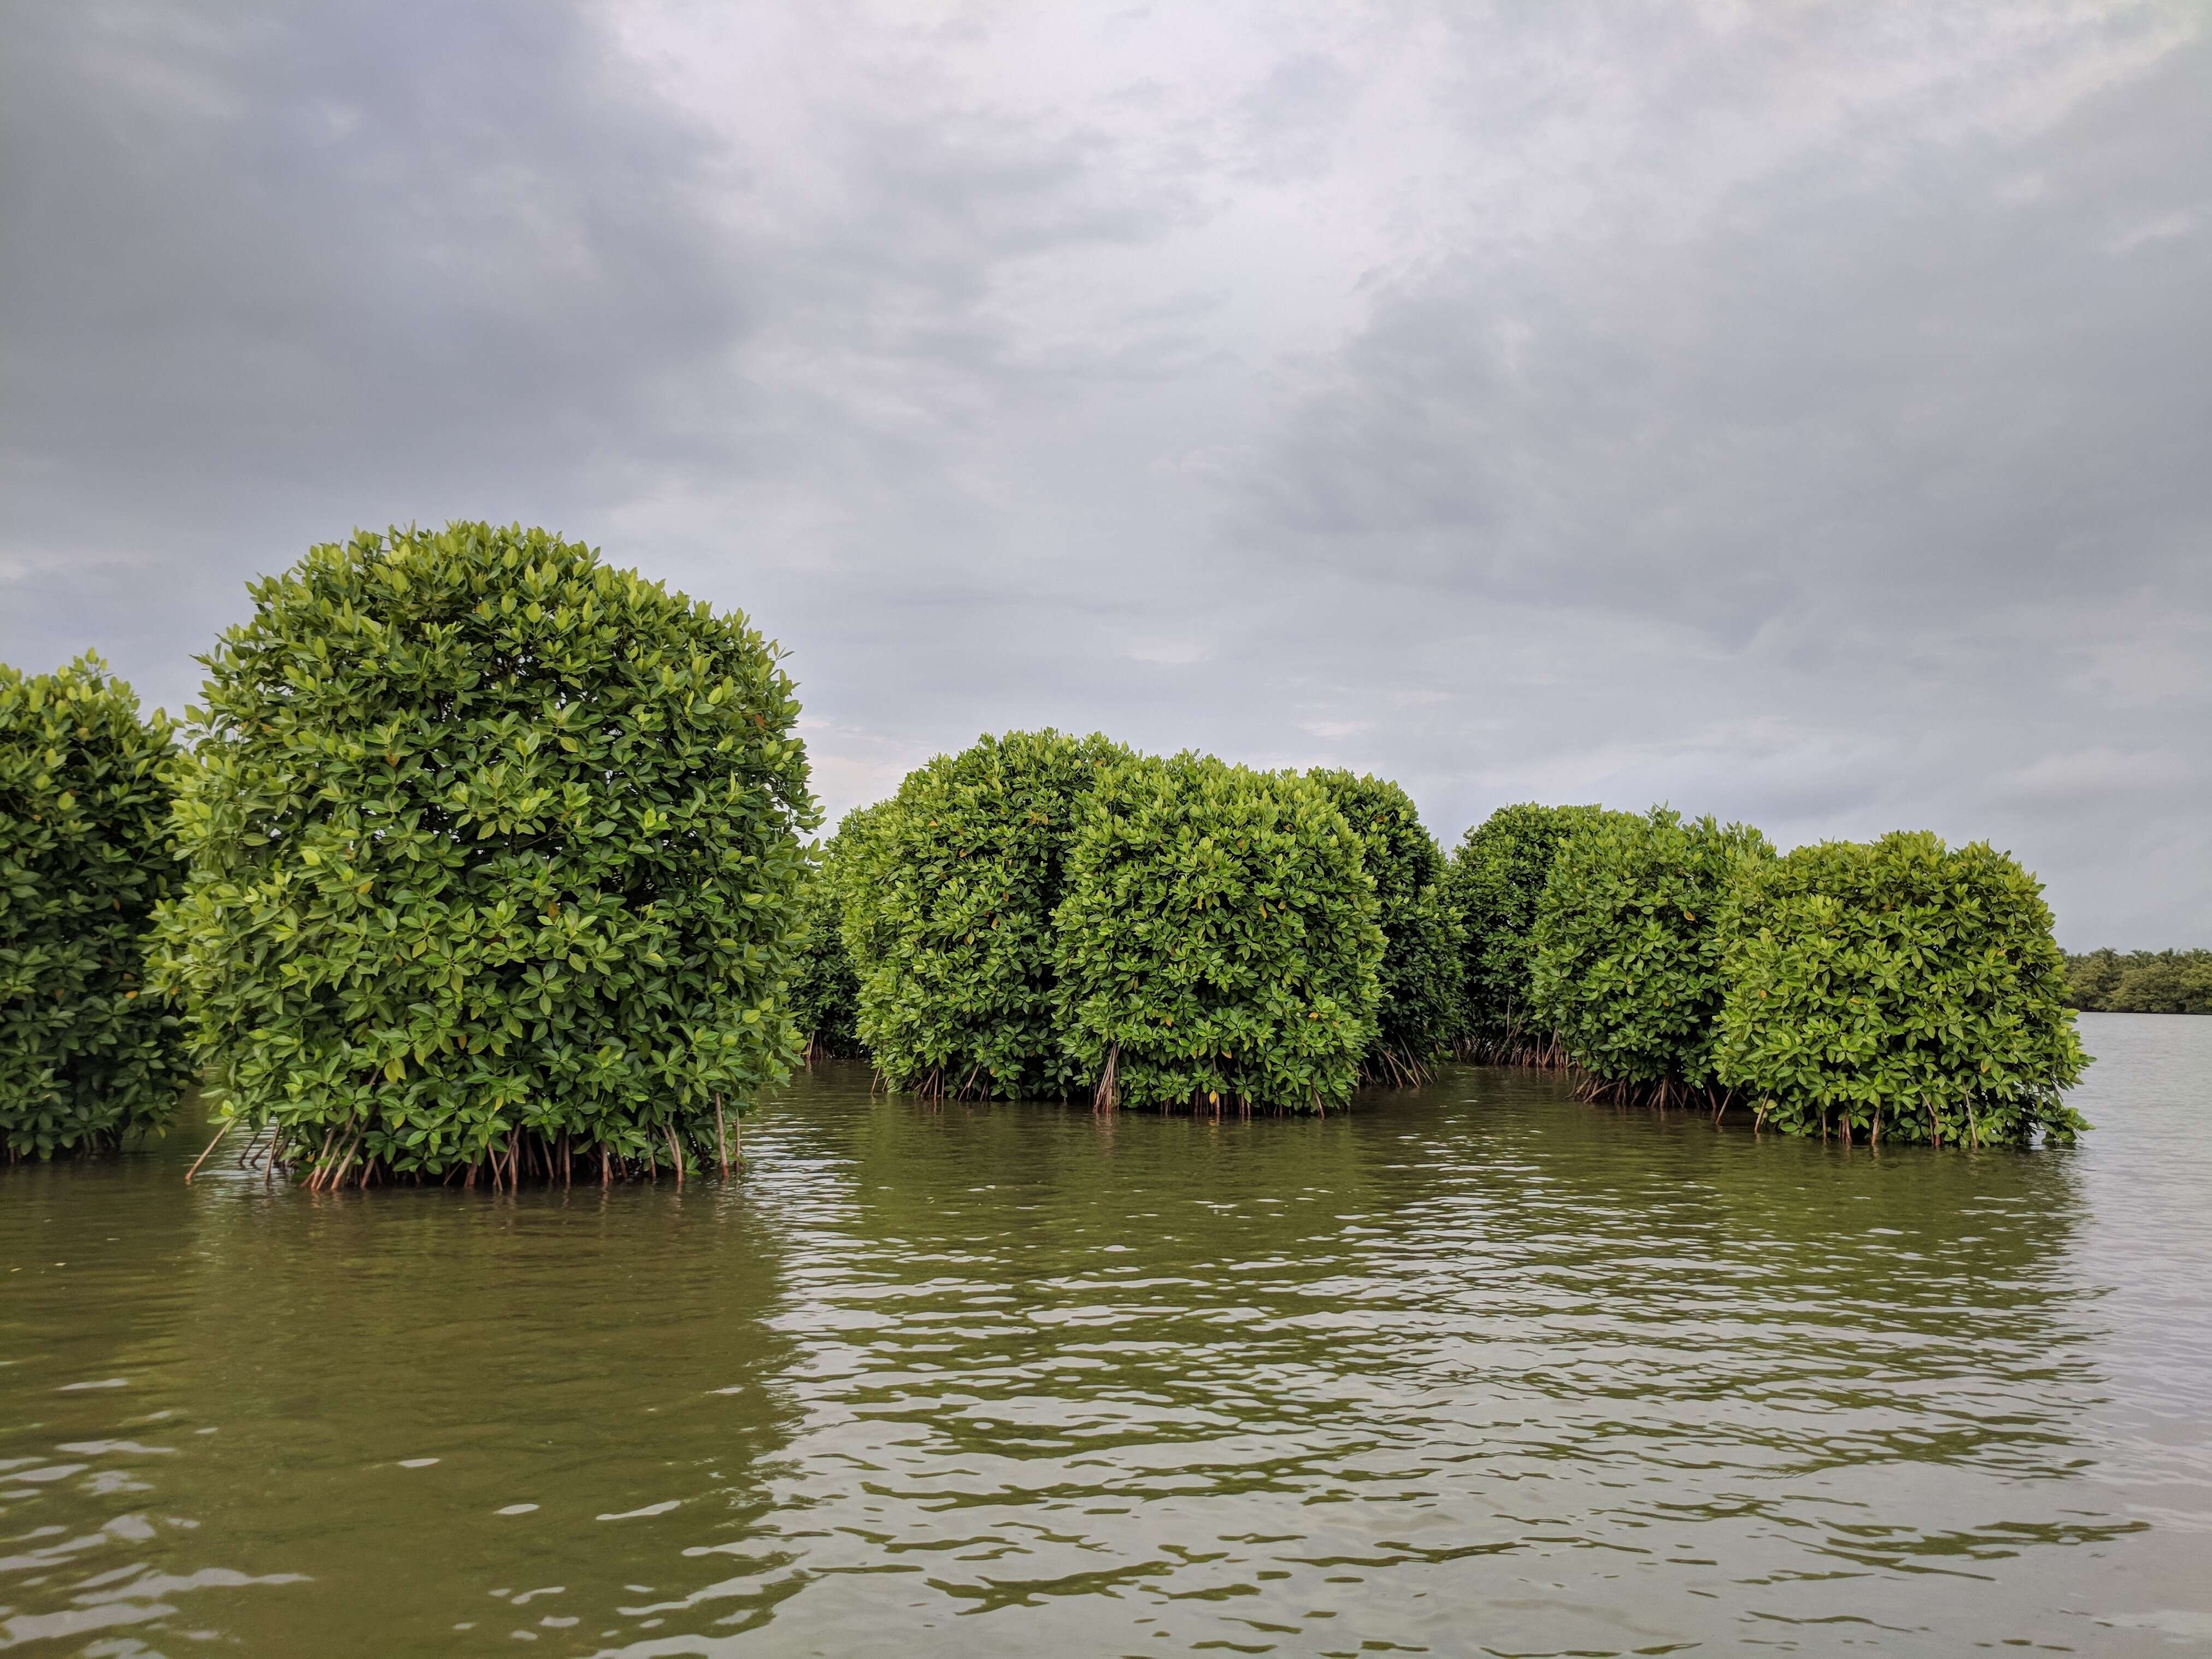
1395,1068
818,1050
1518,1045
1669,1094
346,1158
202,1158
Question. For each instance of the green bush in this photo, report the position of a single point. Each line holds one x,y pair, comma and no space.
1420,979
1492,888
2141,983
1897,989
1628,949
85,1058
824,989
495,862
1219,944
949,915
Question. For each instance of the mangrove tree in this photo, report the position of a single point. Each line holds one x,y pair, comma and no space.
495,853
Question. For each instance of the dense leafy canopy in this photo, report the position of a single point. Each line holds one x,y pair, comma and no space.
85,1057
495,856
1628,966
1493,886
1420,979
1897,989
949,915
1219,944
2141,982
824,989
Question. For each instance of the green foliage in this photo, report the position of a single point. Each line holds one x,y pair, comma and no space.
1493,887
1219,944
2141,983
1419,978
1628,965
1898,988
84,805
855,856
949,915
824,988
495,856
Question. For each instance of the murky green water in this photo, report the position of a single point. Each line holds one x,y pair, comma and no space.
1479,1371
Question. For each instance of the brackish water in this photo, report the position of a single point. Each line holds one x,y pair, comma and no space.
1472,1370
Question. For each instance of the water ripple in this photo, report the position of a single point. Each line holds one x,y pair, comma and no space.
1475,1370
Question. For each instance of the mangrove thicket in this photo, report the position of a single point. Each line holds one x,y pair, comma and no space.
87,1055
1219,944
1628,965
1417,1010
495,855
824,988
949,897
1897,989
484,860
1493,887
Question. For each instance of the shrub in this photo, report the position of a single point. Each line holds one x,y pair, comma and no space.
1898,988
1493,887
824,989
855,858
85,1058
949,915
1418,1011
1628,951
1218,943
495,856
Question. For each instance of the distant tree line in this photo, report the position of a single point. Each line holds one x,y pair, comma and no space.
2140,981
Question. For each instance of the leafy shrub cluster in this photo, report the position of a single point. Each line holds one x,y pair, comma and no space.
1897,988
1628,948
1042,915
1418,1010
496,861
2141,983
1218,943
85,1056
824,988
949,906
1492,888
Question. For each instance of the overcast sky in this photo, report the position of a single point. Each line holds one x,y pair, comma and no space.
1801,413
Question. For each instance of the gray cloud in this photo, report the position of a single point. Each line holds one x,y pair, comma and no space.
1904,455
1792,415
272,273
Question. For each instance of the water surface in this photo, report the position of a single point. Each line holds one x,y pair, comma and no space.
1476,1370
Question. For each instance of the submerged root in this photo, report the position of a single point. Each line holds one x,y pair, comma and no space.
1519,1045
1667,1095
937,1084
1396,1068
1108,1094
344,1158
